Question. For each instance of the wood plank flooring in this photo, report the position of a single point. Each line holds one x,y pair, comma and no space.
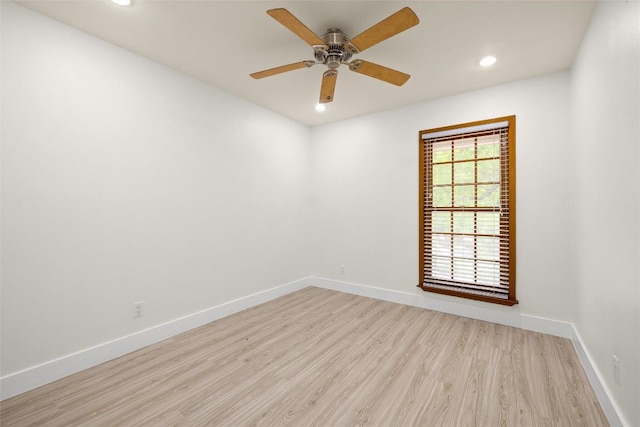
323,358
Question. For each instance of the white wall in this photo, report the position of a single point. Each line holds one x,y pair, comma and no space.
365,192
605,103
125,181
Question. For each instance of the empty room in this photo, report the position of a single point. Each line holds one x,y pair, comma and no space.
330,213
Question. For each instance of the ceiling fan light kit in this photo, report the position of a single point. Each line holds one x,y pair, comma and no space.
335,48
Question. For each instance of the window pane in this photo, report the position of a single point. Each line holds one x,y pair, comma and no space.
488,248
441,151
441,222
488,273
488,222
489,195
442,174
489,171
463,270
442,196
463,173
463,222
441,268
441,244
463,246
488,146
463,195
463,149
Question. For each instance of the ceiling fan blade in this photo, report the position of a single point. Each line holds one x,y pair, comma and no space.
281,69
379,72
328,86
287,19
402,20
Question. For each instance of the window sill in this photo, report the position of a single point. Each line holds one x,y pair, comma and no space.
508,302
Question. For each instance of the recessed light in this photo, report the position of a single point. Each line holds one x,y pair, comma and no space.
488,61
320,108
121,2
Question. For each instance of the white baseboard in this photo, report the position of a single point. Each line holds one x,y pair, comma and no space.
36,376
611,410
509,316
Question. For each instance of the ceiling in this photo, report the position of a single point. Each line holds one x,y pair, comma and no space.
222,42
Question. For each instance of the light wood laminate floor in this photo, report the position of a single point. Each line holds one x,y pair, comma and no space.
325,358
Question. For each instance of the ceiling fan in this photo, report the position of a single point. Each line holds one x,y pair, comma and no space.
334,48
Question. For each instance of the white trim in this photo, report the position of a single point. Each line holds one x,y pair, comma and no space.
509,316
609,406
36,376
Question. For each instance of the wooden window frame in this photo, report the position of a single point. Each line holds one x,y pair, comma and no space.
508,268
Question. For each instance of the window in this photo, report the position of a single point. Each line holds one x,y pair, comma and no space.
467,210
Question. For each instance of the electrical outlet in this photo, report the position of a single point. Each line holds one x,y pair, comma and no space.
137,309
342,270
616,369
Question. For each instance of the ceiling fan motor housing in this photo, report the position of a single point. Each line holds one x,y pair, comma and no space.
335,52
